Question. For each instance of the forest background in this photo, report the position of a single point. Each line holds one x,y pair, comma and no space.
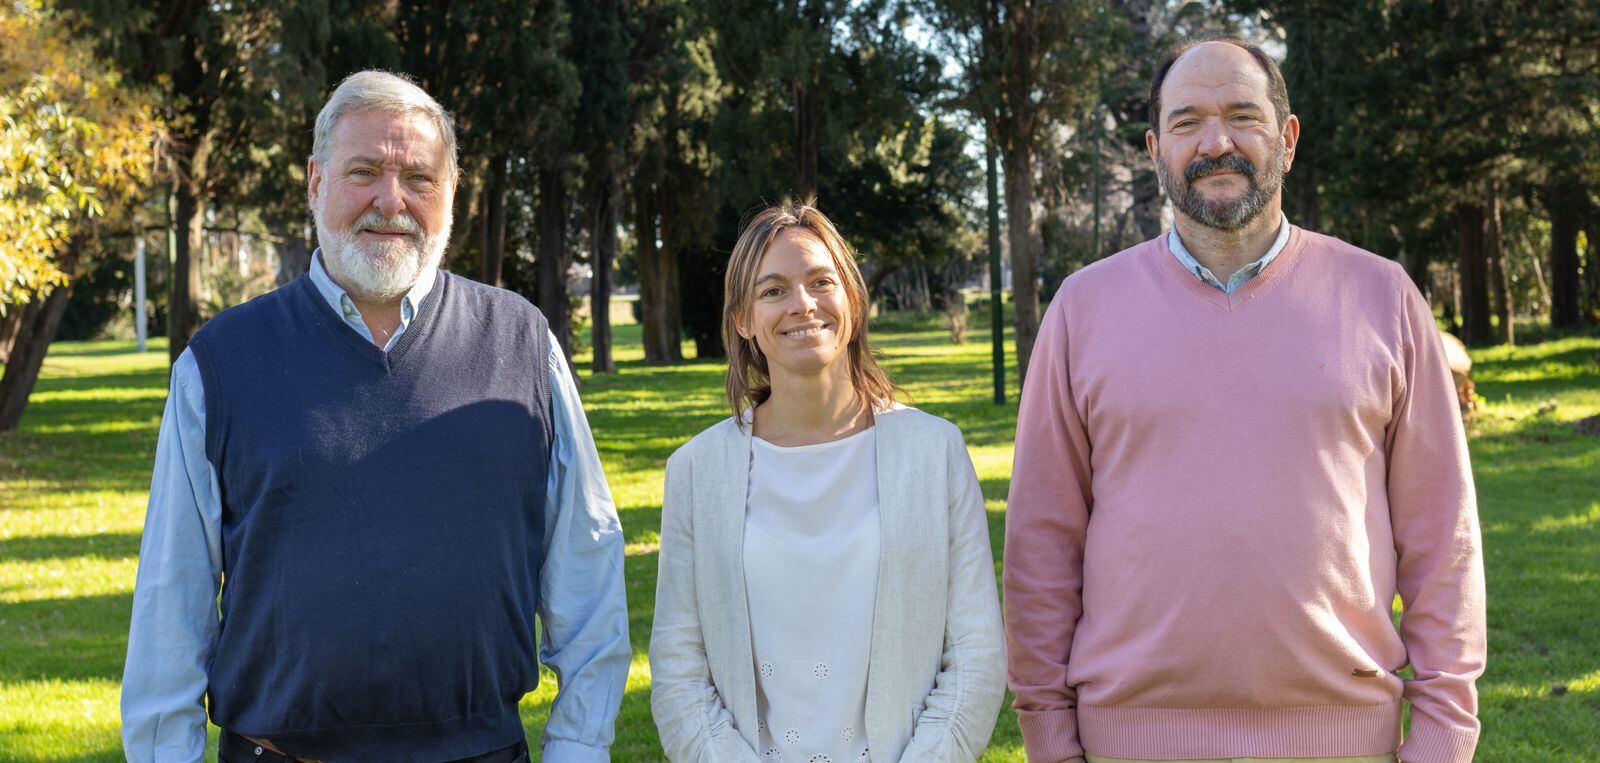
614,144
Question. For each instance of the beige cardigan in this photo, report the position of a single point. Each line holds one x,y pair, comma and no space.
937,665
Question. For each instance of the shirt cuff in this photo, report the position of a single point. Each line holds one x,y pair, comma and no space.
1050,736
568,751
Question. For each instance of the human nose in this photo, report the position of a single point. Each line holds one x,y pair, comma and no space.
803,303
390,199
1214,140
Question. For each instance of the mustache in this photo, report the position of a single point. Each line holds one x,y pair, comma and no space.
401,223
1206,165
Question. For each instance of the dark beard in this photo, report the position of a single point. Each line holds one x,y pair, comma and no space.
1228,215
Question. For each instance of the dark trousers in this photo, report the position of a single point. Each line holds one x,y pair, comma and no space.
232,748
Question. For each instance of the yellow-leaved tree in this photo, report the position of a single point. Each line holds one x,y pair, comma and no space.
74,143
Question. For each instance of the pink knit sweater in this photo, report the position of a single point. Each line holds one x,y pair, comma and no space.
1214,502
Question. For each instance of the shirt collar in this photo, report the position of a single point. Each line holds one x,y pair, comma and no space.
341,303
1245,273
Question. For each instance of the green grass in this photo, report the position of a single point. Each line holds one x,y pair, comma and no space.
73,482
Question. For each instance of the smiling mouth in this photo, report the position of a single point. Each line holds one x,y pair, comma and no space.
808,332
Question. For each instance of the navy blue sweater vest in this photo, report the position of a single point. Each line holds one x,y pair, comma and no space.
382,518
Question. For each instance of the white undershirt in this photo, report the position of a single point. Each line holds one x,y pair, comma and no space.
811,548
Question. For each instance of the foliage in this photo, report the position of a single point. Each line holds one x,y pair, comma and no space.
74,140
1412,107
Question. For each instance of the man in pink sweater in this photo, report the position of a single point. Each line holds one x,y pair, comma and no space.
1238,442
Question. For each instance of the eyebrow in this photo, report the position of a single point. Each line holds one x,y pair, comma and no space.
779,276
374,161
1235,106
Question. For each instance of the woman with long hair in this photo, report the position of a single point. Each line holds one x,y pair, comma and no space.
826,590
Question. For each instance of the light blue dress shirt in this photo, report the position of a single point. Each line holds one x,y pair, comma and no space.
175,617
1241,275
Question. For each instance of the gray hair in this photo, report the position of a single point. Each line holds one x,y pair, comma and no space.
375,90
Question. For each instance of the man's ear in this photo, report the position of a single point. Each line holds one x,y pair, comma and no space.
1150,143
313,181
1291,138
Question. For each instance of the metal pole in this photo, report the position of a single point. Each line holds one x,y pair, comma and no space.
997,319
172,260
140,330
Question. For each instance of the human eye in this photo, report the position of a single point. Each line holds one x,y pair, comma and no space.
362,172
824,282
769,292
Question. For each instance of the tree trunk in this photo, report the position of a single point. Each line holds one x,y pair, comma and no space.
804,91
1543,308
1565,288
189,154
1505,310
552,256
1414,258
876,277
467,214
658,284
805,141
1147,201
1306,202
604,241
1473,265
1018,127
294,259
38,324
10,326
183,307
492,224
997,322
1591,271
1023,235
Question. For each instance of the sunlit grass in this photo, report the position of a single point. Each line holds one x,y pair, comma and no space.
73,483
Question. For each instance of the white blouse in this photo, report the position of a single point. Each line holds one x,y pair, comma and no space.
811,547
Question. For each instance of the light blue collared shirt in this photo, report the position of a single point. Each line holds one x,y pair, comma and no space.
346,307
175,620
1239,276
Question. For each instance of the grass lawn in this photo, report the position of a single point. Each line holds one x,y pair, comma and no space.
73,482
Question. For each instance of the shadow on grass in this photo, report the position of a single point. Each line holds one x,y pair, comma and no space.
640,522
75,638
995,488
89,443
34,548
154,381
636,737
107,749
104,349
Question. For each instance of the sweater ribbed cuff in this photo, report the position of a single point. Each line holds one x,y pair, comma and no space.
1434,742
1050,736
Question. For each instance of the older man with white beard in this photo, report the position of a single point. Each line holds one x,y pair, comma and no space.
368,485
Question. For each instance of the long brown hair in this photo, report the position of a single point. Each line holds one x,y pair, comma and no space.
749,383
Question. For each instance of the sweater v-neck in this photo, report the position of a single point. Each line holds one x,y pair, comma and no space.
420,324
1285,261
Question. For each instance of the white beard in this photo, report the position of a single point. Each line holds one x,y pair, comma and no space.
379,271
